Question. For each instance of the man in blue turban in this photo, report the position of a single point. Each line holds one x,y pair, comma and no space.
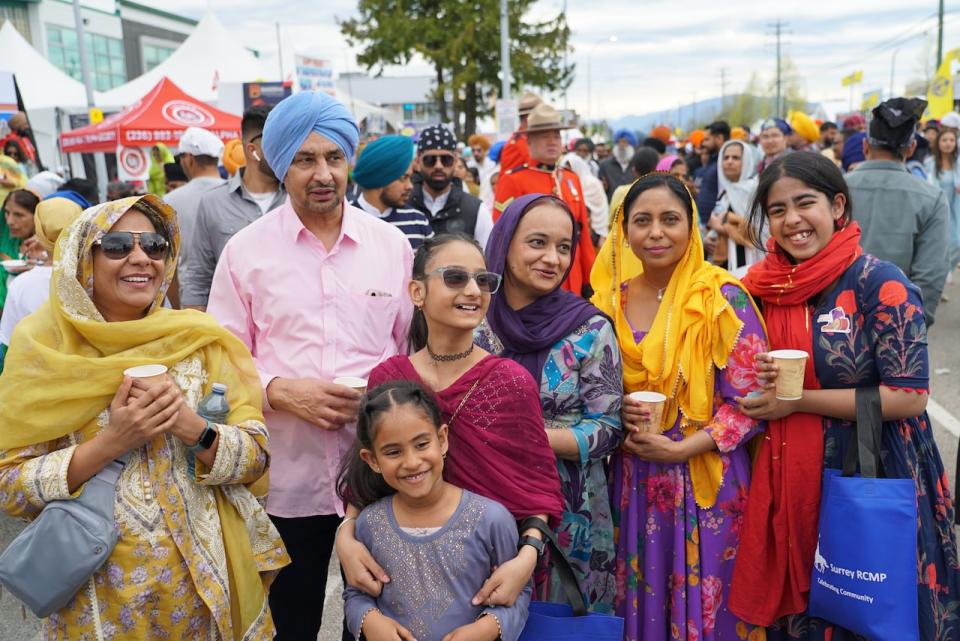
317,289
773,140
384,173
309,140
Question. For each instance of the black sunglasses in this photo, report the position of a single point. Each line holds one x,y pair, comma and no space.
430,161
117,245
457,278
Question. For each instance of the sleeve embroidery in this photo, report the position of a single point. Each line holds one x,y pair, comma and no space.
240,457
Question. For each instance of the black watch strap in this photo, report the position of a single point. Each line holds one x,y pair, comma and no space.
533,542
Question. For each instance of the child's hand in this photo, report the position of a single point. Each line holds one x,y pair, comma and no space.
379,627
483,629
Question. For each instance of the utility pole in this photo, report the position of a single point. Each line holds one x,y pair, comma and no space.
778,31
505,74
723,89
100,161
280,52
779,79
939,37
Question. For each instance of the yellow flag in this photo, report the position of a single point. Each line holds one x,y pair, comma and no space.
96,116
941,93
871,99
853,79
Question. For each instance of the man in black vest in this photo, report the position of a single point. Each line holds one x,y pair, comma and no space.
440,197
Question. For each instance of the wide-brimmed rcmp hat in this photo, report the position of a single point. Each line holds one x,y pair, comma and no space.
545,118
528,101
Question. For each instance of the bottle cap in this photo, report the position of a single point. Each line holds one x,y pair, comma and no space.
219,388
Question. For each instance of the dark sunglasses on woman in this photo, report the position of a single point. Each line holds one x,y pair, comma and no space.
457,278
117,245
431,160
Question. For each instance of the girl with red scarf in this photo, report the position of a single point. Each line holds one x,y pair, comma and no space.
861,321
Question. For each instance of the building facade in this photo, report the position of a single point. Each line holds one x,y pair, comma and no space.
123,39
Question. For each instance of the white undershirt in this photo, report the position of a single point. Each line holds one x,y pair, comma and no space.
263,200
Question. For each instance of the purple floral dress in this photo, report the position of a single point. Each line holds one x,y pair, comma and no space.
674,558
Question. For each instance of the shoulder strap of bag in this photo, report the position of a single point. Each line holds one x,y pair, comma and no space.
568,580
869,430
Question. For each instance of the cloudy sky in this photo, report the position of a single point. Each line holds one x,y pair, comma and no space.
667,52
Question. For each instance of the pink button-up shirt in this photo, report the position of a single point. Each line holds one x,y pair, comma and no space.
305,312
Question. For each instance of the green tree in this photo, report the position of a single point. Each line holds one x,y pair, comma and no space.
461,40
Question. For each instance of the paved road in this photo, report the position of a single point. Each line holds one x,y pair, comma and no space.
944,410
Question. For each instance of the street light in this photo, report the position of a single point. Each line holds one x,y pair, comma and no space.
590,74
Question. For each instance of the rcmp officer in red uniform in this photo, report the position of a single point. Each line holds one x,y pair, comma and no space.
542,175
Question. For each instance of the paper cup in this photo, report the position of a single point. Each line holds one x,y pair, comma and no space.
353,382
654,402
149,374
792,363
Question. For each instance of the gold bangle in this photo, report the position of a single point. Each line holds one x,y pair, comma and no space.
345,520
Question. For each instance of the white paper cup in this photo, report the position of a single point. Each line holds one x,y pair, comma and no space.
792,363
149,374
353,382
654,402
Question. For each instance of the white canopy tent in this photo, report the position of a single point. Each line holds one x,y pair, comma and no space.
45,89
211,55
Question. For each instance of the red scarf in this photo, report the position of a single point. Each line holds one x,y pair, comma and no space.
771,577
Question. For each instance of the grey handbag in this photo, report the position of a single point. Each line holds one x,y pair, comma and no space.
54,556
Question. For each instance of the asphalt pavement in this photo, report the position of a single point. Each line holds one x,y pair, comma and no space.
944,410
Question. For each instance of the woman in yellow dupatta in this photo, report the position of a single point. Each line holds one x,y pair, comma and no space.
688,330
196,552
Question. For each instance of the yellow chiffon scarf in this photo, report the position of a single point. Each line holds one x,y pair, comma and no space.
694,331
66,363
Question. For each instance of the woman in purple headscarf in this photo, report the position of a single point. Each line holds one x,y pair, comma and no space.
571,350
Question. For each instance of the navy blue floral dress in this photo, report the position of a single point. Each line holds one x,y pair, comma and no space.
870,331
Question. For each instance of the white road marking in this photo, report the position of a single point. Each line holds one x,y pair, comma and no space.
946,420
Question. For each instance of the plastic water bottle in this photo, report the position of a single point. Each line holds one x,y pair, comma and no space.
214,408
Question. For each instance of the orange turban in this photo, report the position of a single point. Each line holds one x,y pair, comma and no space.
233,158
738,133
661,133
697,136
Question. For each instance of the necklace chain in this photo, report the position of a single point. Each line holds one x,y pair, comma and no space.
449,358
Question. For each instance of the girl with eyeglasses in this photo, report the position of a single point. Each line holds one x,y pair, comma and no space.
498,447
570,348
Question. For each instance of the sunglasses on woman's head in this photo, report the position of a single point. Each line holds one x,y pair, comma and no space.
458,277
431,160
117,245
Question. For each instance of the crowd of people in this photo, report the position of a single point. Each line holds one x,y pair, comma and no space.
430,348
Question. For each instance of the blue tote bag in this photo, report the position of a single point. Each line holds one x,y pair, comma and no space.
562,622
865,567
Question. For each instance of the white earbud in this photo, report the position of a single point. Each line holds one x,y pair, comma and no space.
257,156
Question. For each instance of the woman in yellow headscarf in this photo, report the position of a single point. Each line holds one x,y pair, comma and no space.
196,550
688,330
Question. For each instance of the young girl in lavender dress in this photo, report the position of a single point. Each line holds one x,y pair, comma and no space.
437,542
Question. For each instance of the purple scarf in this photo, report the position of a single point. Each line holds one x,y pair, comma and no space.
529,333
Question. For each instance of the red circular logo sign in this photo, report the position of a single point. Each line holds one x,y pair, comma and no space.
133,160
180,112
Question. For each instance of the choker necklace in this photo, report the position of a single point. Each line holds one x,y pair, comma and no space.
449,358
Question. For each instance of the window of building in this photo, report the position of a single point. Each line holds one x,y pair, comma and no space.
107,66
153,55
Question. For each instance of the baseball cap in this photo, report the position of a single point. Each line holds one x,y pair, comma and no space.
200,142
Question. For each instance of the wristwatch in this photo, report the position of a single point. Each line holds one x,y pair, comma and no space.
205,442
533,542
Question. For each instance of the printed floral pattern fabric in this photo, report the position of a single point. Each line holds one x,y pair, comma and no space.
581,390
675,559
870,331
167,576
